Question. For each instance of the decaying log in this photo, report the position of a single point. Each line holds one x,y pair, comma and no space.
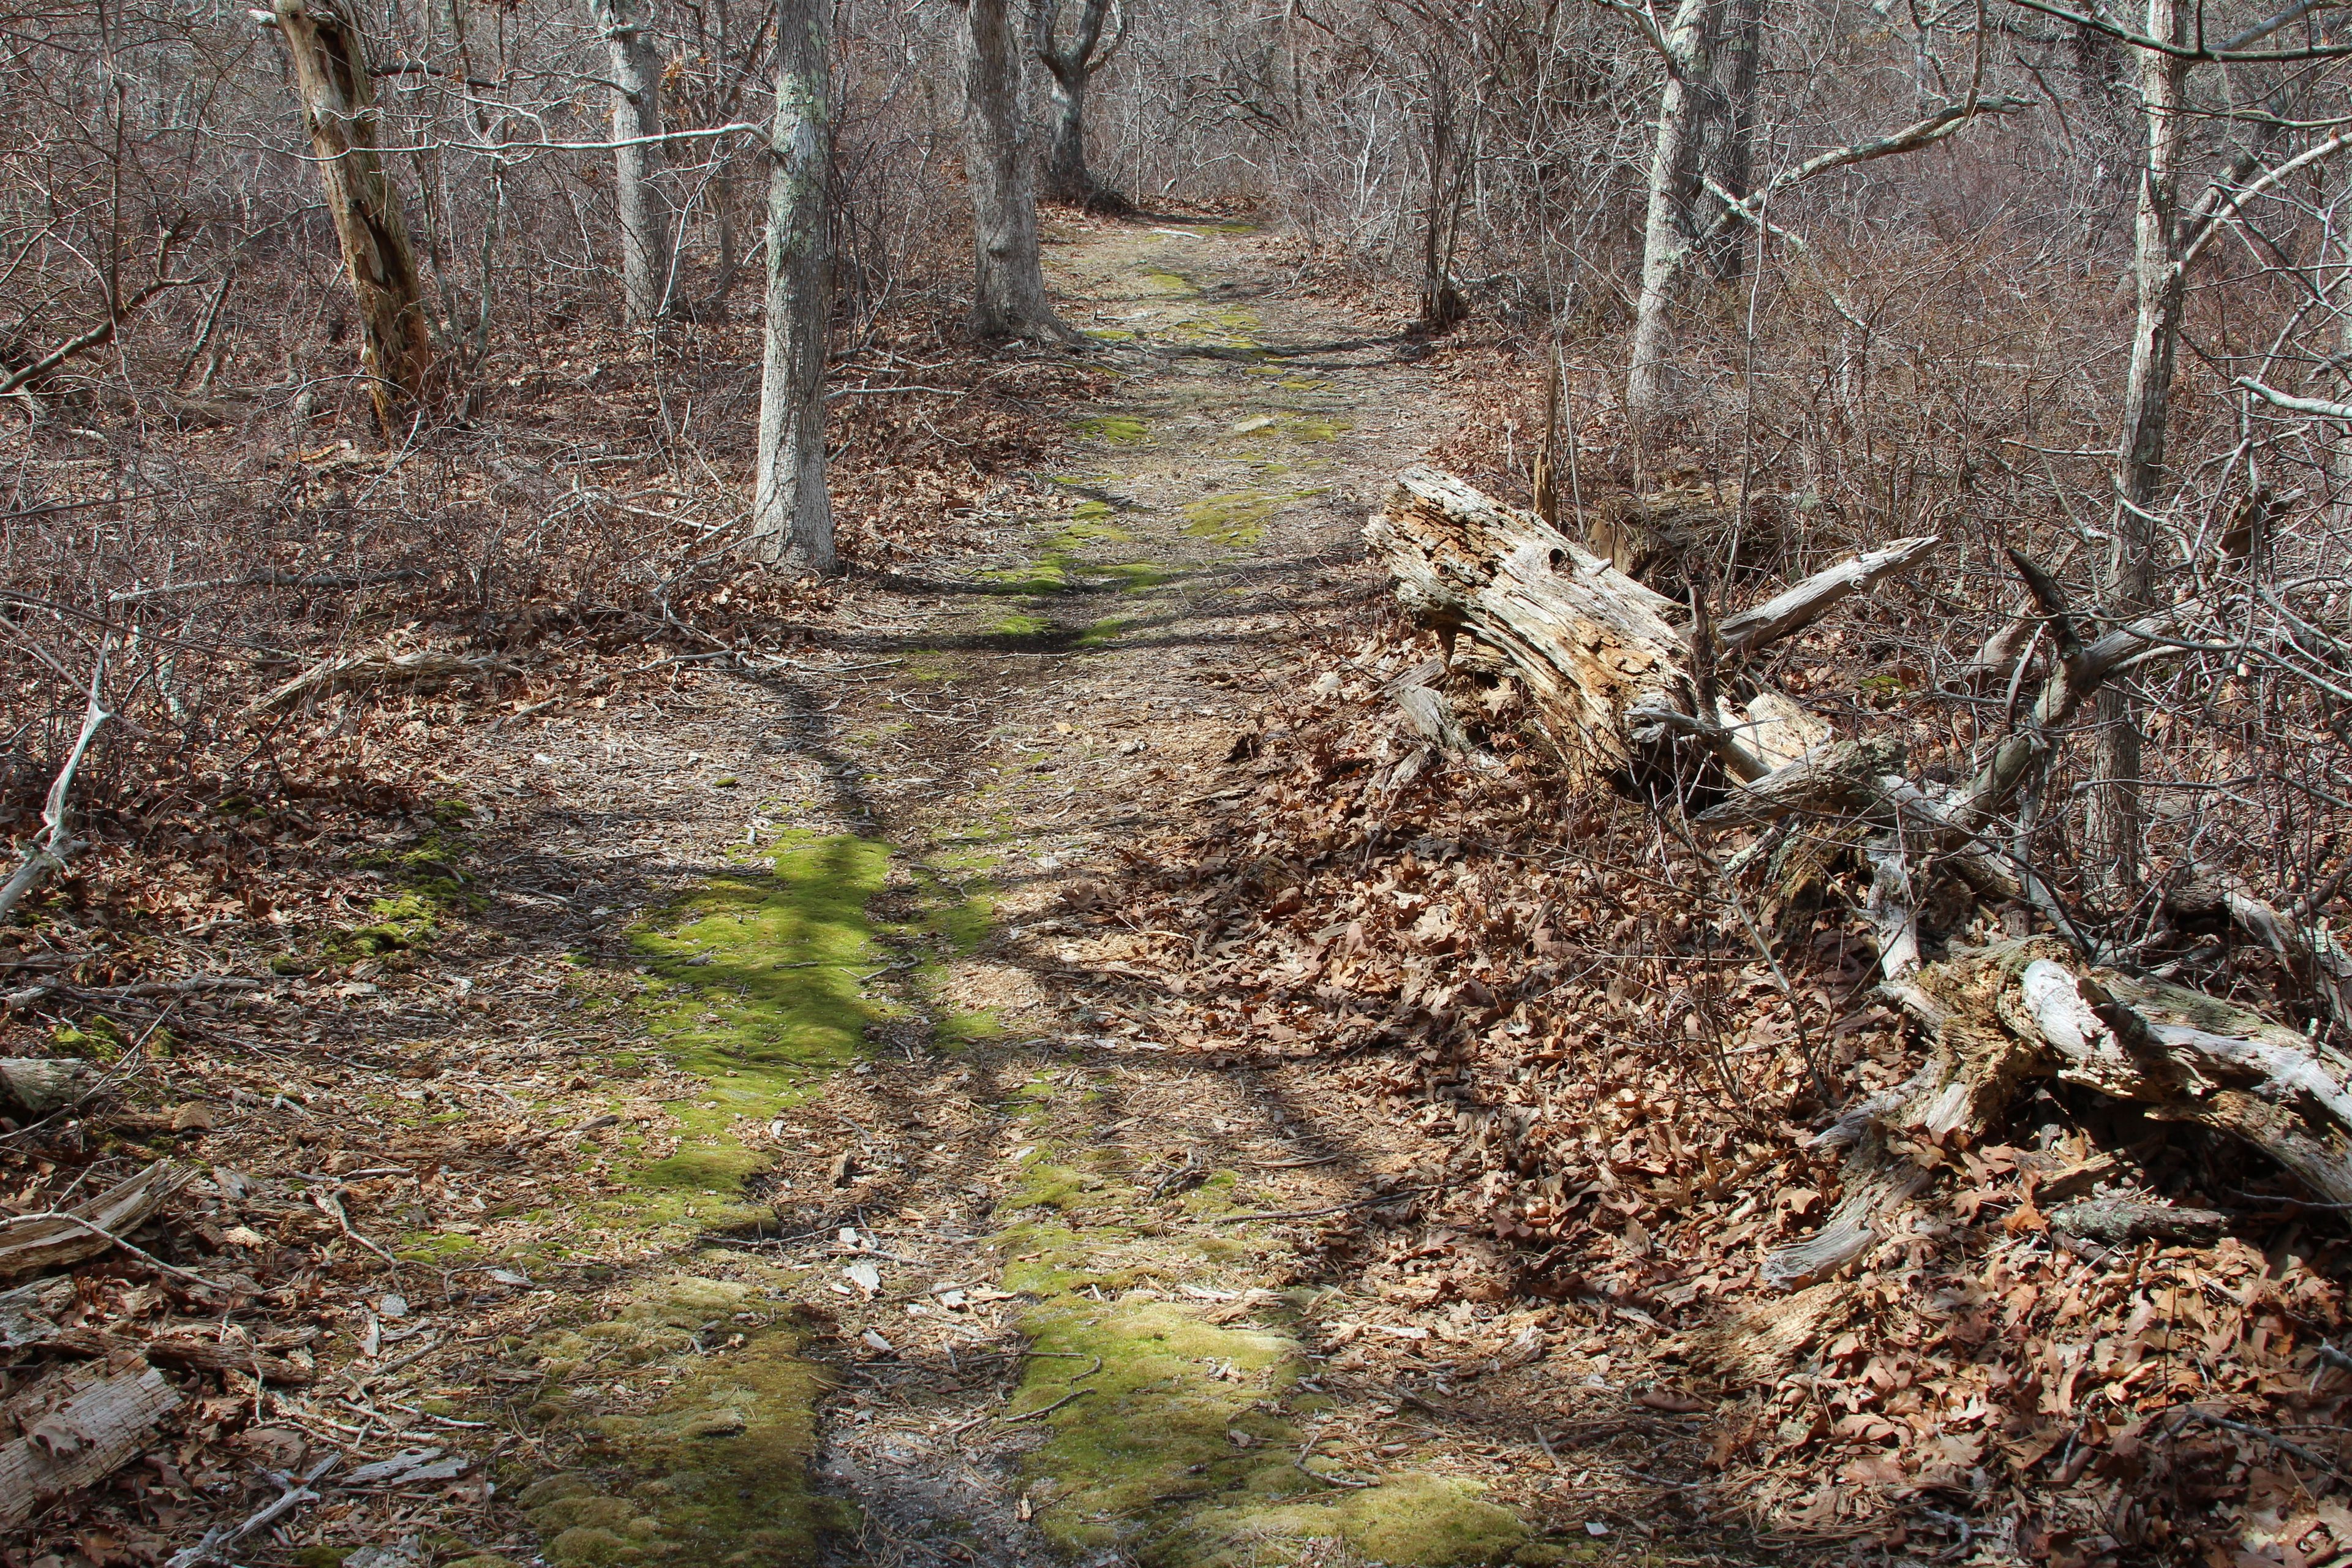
1616,671
33,1241
1607,661
2029,1009
350,672
39,1085
79,1424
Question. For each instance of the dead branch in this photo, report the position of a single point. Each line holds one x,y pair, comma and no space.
56,844
352,671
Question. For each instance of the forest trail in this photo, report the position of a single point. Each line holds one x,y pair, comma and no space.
916,1188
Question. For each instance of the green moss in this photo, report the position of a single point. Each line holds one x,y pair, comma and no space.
433,869
1104,632
1119,430
1235,519
758,991
100,1038
1238,518
699,1169
435,1246
1021,625
1175,285
403,924
717,1470
1412,1521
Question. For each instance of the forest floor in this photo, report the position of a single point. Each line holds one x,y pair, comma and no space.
1023,1271
747,1138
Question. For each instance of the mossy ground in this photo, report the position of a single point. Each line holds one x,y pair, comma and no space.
714,1470
1171,1438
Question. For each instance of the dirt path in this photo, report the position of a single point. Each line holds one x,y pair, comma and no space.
915,1191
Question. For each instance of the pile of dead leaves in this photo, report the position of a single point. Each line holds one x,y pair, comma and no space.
1624,1059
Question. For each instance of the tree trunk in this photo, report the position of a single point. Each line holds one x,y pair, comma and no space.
792,518
1729,154
1067,178
2113,821
1666,231
1009,277
648,271
1069,69
331,72
1441,302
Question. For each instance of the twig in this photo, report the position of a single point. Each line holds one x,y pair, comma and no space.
1046,1409
220,1537
1371,1203
2284,1444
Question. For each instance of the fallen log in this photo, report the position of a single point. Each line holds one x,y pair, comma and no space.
28,1242
1607,662
39,1085
351,671
1619,674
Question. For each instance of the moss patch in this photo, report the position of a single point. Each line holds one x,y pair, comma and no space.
715,1470
1119,430
760,993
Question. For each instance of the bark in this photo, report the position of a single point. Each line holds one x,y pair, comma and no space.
1009,275
648,267
1728,149
1667,229
792,517
331,75
1069,68
2112,823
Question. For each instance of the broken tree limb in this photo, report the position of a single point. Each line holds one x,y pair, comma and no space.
2023,1010
1793,609
33,1241
56,844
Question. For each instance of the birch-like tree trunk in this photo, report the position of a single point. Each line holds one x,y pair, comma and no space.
2113,825
1008,298
331,73
792,517
1069,68
649,273
1689,52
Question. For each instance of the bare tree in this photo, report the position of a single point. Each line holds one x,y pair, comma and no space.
648,269
792,517
1070,65
331,74
1008,297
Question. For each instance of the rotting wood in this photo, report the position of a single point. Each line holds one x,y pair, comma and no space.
80,1425
348,671
28,1242
2025,1010
39,1085
1606,660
